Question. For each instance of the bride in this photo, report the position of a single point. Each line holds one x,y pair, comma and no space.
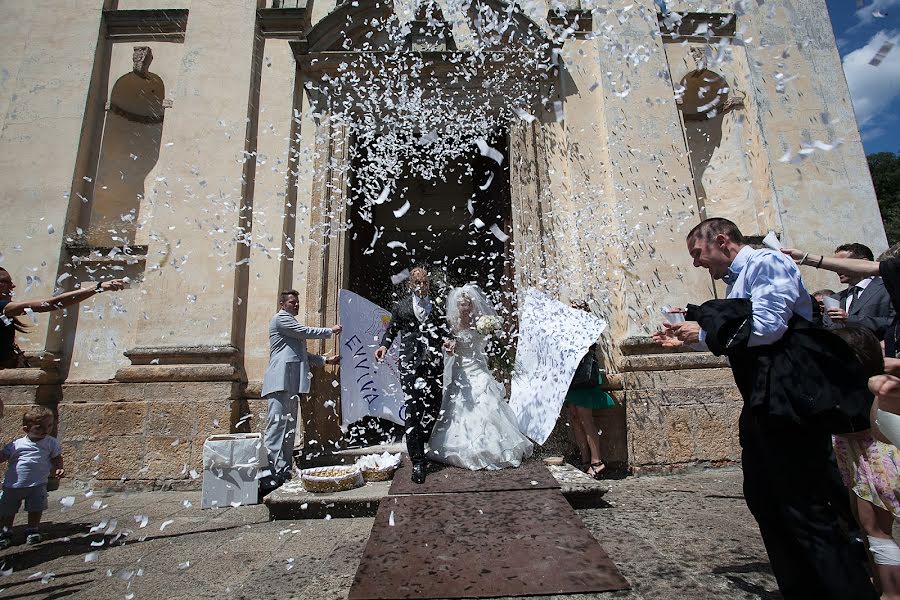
476,428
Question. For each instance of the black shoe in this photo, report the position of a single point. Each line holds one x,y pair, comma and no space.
418,473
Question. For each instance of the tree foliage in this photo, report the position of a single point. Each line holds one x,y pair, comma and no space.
885,169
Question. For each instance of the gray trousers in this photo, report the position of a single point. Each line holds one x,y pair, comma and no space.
281,430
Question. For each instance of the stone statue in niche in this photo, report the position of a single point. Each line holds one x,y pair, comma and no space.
142,58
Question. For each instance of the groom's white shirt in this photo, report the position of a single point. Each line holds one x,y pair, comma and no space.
421,307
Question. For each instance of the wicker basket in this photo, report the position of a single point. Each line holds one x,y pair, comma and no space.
331,479
374,474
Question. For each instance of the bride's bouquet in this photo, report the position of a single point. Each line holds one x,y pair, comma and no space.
488,324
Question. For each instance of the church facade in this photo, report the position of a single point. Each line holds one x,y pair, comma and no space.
216,153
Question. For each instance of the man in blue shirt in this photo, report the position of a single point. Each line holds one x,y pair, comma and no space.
786,465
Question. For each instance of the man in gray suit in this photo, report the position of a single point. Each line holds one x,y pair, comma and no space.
865,302
288,376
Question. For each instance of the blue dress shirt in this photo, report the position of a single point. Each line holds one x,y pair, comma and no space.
772,282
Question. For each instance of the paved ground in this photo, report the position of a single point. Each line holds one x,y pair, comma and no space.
685,536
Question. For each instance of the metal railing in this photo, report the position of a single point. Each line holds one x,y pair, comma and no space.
288,3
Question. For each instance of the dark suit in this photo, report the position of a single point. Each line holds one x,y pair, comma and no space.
871,309
796,391
420,370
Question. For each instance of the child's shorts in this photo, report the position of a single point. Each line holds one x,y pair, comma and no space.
35,498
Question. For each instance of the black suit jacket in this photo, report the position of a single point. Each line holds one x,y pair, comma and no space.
420,342
810,376
872,309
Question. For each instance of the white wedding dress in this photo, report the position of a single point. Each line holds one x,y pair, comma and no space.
476,428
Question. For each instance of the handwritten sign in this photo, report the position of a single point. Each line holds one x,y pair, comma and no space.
368,388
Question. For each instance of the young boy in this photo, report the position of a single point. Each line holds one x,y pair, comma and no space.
31,458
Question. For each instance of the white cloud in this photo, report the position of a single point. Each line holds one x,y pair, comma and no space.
872,89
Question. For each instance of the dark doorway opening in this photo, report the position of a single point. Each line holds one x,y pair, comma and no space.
458,226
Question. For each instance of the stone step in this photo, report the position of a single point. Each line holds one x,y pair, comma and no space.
291,501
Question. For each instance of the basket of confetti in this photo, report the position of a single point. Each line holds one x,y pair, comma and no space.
331,479
378,467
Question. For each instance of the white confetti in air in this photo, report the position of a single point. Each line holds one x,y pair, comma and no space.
525,116
402,210
487,183
498,233
394,245
391,519
68,501
166,523
559,112
400,277
50,229
489,152
141,520
184,565
384,194
478,223
91,556
194,474
335,383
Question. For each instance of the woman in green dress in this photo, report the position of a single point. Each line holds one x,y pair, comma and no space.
581,402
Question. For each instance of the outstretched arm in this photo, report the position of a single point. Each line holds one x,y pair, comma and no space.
288,326
855,267
14,309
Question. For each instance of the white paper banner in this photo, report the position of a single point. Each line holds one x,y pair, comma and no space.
553,337
368,388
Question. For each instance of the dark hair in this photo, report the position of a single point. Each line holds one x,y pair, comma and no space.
36,414
283,296
707,229
856,251
865,346
17,324
825,292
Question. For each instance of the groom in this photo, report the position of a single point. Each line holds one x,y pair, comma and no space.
422,332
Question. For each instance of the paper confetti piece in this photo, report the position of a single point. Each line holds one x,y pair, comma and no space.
400,277
498,233
489,152
68,501
402,210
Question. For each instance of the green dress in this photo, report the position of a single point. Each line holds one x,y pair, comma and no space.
593,398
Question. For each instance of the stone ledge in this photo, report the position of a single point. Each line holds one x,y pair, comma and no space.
177,373
673,362
183,355
28,377
291,501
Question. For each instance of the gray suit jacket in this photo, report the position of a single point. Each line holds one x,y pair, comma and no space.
871,309
289,362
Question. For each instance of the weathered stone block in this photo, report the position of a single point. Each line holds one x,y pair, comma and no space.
119,456
172,418
103,392
91,420
167,456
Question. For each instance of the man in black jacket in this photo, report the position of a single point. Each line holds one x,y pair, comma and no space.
422,331
791,377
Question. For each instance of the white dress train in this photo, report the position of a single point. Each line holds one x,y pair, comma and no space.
476,428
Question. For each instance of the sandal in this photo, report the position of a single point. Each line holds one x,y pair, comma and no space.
596,470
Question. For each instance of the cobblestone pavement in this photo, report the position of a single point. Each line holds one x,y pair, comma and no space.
683,536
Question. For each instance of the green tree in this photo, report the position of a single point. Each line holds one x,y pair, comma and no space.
885,170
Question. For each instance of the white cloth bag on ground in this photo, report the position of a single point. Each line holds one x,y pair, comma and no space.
231,466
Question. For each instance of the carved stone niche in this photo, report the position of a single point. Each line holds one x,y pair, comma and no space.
142,57
182,363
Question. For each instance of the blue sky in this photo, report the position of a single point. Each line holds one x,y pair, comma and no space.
860,32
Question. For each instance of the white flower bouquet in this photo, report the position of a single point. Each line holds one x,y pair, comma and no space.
488,324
